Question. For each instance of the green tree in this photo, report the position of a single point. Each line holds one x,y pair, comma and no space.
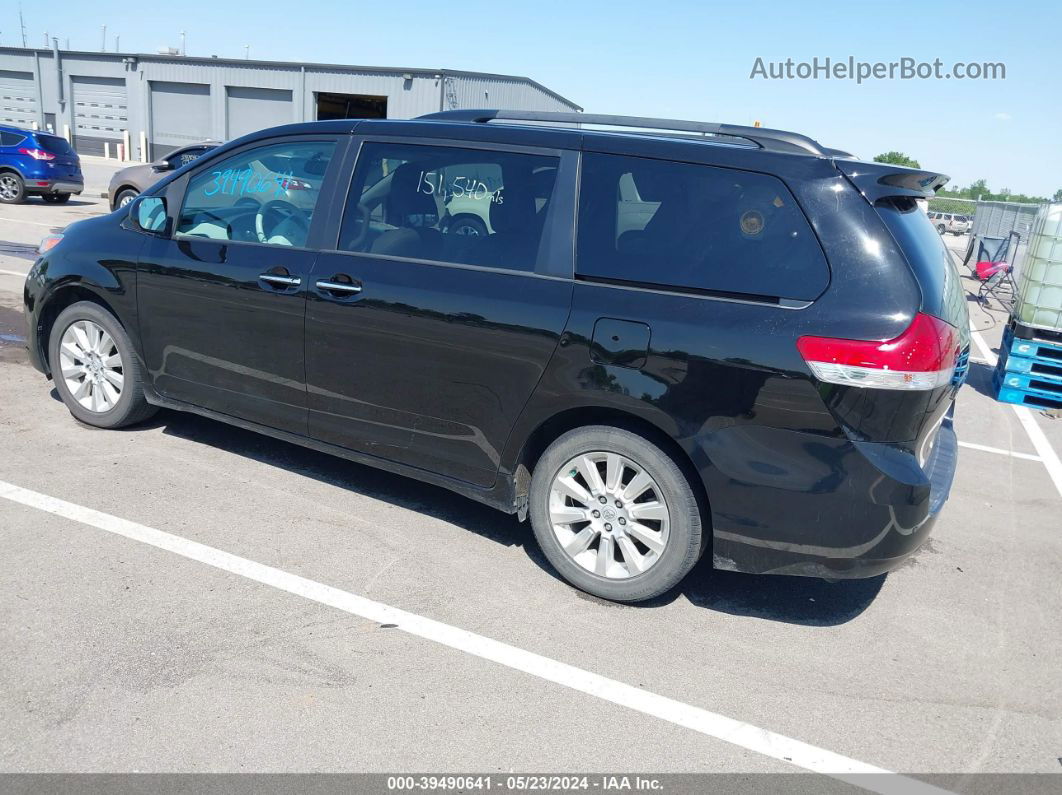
897,159
1058,196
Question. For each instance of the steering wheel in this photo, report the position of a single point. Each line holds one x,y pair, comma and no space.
286,212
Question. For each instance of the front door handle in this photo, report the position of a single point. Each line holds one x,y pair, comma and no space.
277,280
337,288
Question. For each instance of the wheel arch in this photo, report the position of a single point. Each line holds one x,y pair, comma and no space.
62,296
463,215
555,426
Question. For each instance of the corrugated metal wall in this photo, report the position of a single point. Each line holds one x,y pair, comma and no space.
229,109
999,219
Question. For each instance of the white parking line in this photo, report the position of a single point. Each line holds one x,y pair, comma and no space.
12,273
711,724
1035,433
32,223
1000,451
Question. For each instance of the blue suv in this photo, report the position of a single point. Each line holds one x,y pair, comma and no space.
34,163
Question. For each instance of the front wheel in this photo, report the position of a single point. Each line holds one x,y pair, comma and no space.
614,514
95,369
124,197
56,198
940,228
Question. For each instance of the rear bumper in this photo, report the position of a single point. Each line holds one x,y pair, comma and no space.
834,508
67,185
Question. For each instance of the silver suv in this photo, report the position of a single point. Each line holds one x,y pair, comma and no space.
950,222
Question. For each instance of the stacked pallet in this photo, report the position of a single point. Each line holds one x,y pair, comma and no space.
1030,370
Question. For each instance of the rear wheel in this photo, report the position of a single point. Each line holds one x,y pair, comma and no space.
940,228
614,514
56,198
12,188
95,369
468,226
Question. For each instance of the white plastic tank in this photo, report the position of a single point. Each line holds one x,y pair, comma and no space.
1039,301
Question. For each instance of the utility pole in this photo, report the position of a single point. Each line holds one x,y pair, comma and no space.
117,39
246,51
183,50
22,24
103,39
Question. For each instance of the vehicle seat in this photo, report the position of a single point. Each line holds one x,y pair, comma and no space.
414,213
516,230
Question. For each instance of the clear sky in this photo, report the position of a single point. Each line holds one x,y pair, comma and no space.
678,59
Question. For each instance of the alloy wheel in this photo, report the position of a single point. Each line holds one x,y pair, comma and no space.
609,514
8,187
91,366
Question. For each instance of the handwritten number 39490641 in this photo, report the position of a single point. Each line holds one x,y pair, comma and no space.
245,182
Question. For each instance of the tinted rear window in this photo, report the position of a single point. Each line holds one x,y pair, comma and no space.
681,225
11,139
53,143
942,292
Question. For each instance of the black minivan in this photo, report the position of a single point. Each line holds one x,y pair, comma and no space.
654,340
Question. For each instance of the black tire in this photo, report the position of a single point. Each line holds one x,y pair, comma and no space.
131,407
12,188
56,198
125,196
685,542
940,228
467,225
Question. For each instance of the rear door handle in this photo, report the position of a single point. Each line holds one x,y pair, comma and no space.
276,280
338,288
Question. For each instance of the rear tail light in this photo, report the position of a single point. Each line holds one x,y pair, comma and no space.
290,183
37,154
923,357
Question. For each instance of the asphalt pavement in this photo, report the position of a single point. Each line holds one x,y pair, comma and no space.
118,653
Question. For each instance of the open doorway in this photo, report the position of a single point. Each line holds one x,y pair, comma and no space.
350,106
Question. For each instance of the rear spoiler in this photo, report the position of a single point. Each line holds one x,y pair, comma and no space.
882,180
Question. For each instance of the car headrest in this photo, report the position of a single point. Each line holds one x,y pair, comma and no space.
512,210
407,204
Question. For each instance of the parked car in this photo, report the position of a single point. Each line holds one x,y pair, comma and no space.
663,345
130,182
950,222
35,163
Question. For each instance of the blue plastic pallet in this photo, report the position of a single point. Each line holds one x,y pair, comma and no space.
1007,392
1031,383
1032,349
1040,367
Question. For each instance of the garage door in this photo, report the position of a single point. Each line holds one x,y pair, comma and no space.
251,109
180,115
18,99
101,113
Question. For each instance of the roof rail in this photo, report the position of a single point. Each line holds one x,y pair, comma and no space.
773,140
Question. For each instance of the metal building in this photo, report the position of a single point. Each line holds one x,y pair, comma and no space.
160,102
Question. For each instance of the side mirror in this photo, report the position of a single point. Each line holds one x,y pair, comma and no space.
148,214
162,165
